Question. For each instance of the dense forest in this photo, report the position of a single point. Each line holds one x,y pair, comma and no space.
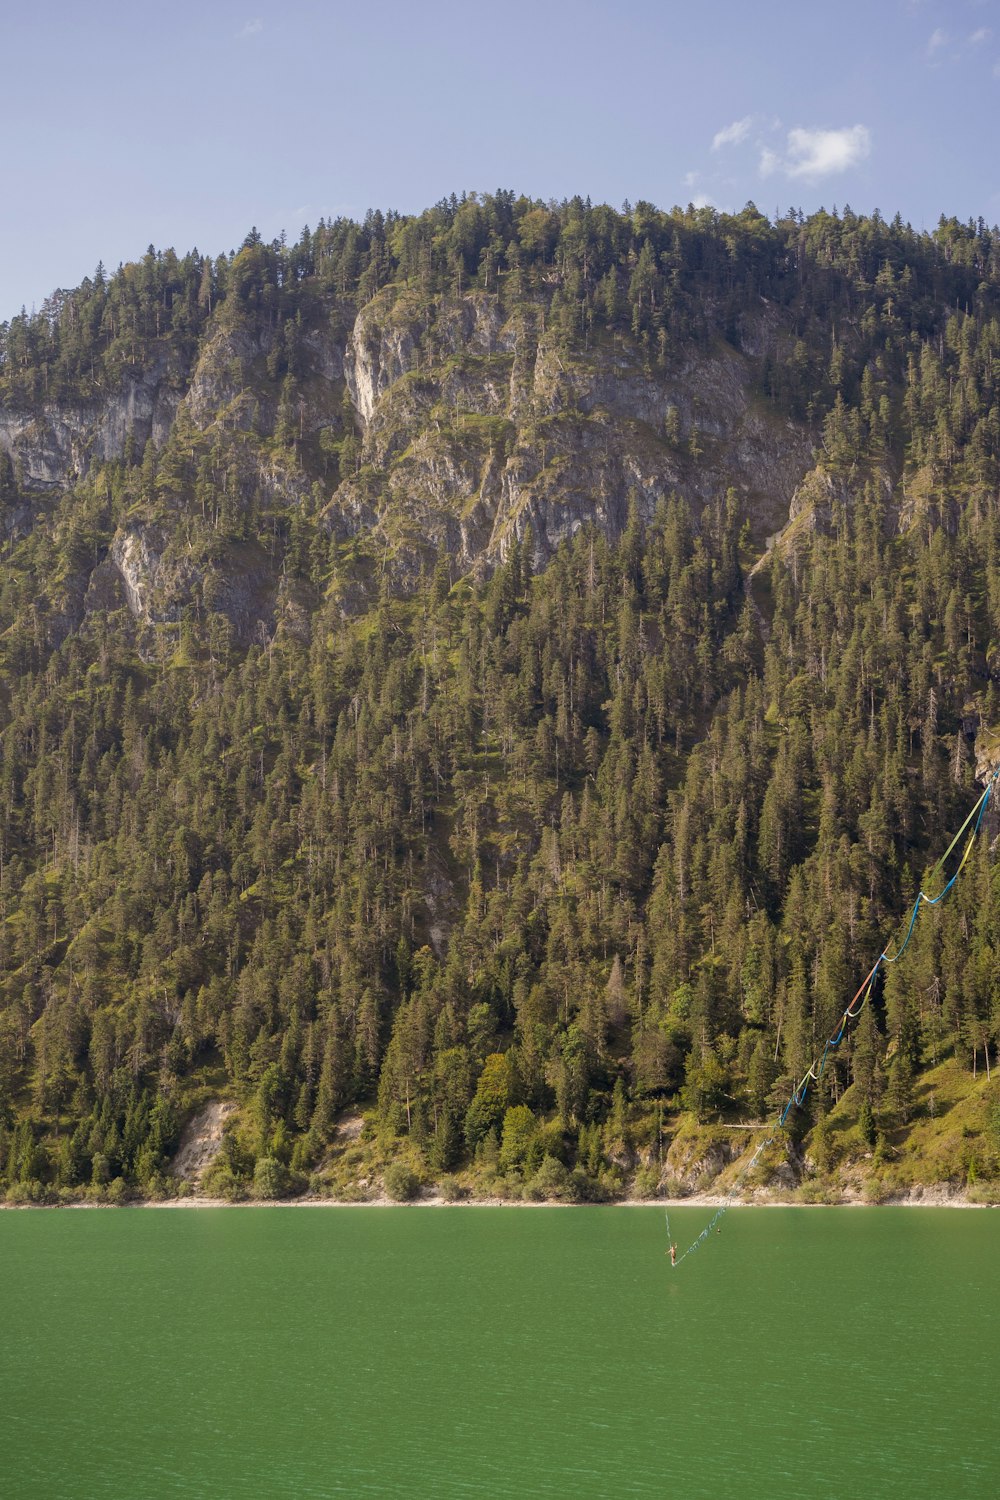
532,872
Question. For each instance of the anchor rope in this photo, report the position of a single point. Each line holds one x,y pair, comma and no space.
814,1072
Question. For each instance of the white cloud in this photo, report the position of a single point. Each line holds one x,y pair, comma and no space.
702,200
937,40
732,135
978,37
810,154
690,178
252,28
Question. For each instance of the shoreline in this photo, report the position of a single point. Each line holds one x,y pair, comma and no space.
936,1198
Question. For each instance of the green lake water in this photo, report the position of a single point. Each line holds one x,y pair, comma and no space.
500,1353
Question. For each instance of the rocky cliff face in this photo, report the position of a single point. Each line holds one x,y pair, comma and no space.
478,428
56,445
465,428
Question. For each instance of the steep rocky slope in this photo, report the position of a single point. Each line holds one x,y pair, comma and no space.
466,429
476,428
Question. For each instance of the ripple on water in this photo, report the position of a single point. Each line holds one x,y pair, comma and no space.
499,1353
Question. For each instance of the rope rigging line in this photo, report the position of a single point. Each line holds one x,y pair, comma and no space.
814,1072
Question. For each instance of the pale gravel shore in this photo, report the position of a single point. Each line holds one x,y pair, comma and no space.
935,1198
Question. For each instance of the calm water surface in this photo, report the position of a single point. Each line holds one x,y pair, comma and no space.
499,1353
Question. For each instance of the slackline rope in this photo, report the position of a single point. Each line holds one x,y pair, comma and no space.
815,1070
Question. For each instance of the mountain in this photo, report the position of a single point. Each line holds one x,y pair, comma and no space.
480,689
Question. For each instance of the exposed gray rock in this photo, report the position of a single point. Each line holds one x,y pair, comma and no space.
473,427
146,572
503,430
382,348
55,446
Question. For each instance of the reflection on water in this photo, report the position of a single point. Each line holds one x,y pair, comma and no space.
499,1353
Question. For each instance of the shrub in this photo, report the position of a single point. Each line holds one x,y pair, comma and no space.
220,1181
874,1188
270,1180
817,1191
647,1182
22,1193
401,1182
489,1185
348,1192
551,1182
984,1192
157,1188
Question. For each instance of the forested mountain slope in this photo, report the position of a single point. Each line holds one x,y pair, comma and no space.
503,671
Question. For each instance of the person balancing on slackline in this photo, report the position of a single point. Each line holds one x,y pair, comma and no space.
673,1255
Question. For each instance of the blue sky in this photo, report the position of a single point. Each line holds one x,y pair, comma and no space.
183,124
